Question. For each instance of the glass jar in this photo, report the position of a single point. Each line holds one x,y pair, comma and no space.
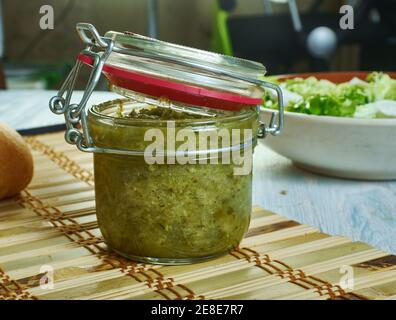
172,162
170,212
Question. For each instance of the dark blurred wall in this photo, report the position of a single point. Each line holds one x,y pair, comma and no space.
180,21
186,22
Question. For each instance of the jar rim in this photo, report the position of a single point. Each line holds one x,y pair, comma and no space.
231,116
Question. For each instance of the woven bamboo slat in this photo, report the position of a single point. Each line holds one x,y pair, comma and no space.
49,231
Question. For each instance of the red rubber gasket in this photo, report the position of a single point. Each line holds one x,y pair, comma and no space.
173,90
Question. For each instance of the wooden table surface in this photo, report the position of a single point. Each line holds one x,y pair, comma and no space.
364,211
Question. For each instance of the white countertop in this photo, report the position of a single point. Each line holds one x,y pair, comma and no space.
26,109
363,211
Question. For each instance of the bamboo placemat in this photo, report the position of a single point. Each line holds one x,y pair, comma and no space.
50,231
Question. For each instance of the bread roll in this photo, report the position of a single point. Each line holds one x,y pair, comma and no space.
16,162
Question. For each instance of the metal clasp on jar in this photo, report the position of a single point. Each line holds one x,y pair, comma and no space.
275,127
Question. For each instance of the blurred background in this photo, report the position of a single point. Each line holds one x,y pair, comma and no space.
286,36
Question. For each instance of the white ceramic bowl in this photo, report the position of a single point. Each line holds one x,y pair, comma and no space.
336,146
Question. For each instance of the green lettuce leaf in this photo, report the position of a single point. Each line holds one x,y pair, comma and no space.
322,97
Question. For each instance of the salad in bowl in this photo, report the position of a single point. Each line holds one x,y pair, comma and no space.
374,97
341,124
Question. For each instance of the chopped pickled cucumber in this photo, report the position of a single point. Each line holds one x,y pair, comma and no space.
170,211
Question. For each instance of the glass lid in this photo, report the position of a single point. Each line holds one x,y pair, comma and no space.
165,72
135,42
180,73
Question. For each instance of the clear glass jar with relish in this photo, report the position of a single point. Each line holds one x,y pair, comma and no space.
172,159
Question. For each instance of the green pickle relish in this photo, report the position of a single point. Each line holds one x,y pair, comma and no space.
167,213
